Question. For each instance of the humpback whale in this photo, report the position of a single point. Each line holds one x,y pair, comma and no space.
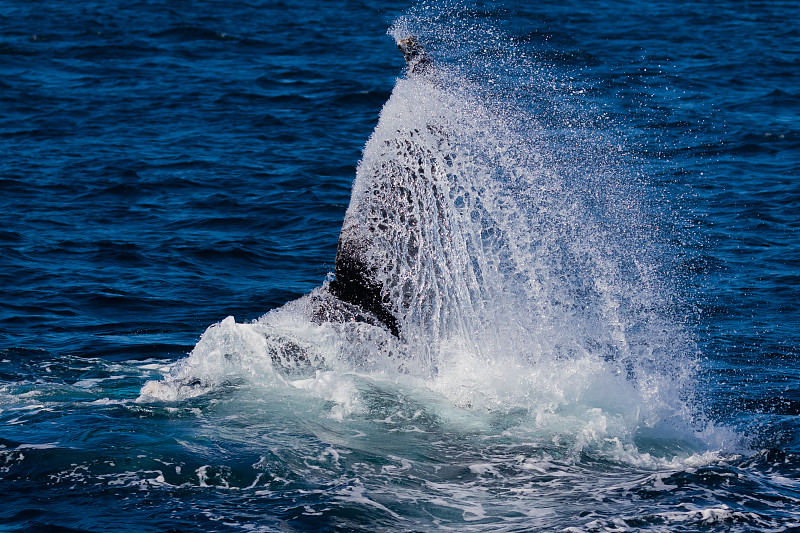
356,275
460,243
366,281
385,287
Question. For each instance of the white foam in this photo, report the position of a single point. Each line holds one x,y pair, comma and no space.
42,446
336,387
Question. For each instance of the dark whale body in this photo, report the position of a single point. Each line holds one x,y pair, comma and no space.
382,292
357,283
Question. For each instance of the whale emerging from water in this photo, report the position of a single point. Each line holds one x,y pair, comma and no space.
465,243
382,223
390,288
358,267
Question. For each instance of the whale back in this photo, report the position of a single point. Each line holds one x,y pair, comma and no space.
398,254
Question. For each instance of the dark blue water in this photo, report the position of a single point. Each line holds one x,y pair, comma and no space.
168,164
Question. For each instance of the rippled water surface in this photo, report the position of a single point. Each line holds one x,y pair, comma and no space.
599,315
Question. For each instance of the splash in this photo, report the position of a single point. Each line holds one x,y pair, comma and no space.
511,258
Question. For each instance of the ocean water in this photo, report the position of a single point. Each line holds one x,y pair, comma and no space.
590,239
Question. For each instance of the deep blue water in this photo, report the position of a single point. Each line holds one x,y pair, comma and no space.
168,164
